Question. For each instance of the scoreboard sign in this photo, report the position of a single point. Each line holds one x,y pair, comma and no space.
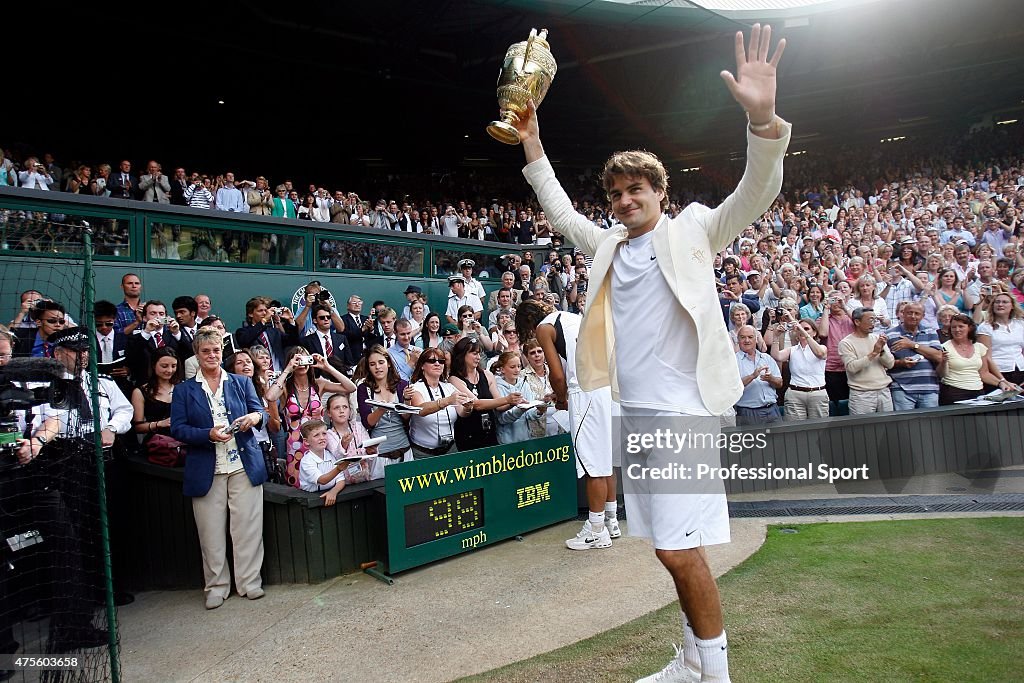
438,507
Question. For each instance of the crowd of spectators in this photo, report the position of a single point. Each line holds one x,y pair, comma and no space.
905,226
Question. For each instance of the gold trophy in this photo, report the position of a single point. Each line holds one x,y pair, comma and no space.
527,72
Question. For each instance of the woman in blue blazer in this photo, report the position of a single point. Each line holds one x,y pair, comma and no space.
214,414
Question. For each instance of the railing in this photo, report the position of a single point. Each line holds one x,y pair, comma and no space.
36,223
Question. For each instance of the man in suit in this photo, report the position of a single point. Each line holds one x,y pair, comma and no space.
263,327
122,185
186,312
155,186
684,382
323,340
157,331
357,328
179,183
111,346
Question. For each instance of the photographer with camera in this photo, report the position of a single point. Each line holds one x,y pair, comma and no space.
577,287
314,294
35,175
198,194
264,326
157,330
734,292
432,431
35,341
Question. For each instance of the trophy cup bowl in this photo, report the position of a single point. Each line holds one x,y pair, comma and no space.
526,73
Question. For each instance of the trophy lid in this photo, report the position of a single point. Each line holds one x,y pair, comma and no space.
540,38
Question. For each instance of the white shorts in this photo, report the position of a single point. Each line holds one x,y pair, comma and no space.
678,512
590,416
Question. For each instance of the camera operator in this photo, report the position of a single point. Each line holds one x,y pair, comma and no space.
35,341
577,286
313,295
264,326
62,448
156,330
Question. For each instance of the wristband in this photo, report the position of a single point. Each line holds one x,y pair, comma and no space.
761,127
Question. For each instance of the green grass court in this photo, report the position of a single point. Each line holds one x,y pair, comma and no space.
934,601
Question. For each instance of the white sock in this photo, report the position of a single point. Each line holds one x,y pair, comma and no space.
691,658
611,510
596,522
714,659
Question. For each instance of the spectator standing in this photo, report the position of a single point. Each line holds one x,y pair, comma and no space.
806,396
834,325
198,194
761,379
229,197
1003,333
129,311
35,176
432,431
224,469
178,185
282,207
917,352
155,186
259,198
867,358
967,364
122,185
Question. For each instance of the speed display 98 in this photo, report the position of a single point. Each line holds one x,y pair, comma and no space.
437,518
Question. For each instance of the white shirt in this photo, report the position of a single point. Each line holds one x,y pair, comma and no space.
115,410
105,344
474,287
1007,344
655,338
805,369
228,458
312,467
454,304
428,431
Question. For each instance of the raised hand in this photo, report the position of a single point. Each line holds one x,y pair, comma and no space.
754,84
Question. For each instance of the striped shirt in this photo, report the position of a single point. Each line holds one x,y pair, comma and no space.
198,199
921,377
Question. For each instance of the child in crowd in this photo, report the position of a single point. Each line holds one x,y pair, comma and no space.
344,439
512,426
318,469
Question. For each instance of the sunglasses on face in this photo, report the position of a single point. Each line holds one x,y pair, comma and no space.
54,321
323,317
435,361
110,324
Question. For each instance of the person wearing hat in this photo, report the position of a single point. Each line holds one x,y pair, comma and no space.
473,286
450,335
69,431
71,349
459,298
412,295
